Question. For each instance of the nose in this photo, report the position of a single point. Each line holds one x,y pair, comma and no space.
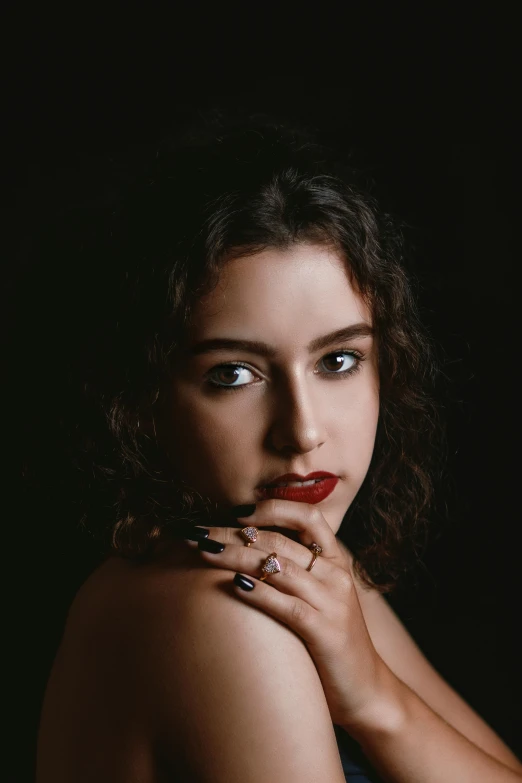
298,421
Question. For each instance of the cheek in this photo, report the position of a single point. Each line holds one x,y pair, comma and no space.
207,433
370,417
370,431
208,420
361,419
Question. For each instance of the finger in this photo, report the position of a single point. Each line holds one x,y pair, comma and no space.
290,609
291,579
267,542
304,518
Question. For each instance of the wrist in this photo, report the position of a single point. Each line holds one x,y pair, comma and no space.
387,712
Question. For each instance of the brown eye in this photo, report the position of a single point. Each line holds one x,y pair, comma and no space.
336,361
225,376
336,369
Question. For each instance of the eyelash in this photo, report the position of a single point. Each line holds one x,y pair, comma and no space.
337,375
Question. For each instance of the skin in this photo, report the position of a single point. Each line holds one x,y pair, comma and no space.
292,417
289,416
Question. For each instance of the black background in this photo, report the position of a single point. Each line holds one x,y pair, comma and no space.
427,99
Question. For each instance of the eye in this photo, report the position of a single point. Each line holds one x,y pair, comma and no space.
339,363
226,373
233,371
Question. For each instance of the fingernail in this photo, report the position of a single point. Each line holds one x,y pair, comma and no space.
243,582
243,511
209,545
196,533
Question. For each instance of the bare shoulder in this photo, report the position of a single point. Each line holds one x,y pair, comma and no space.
236,694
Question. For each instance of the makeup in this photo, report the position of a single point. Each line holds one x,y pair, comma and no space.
312,494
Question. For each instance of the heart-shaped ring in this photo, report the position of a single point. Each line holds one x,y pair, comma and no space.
249,534
271,566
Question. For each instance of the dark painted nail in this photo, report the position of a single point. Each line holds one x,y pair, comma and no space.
243,511
209,545
196,533
243,582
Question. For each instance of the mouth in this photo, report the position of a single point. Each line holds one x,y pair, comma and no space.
310,491
295,480
293,484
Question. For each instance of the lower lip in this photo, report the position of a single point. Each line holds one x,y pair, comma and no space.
311,494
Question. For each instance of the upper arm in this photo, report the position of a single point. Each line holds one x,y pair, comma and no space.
239,696
405,659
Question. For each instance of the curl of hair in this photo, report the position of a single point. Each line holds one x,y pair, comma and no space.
130,271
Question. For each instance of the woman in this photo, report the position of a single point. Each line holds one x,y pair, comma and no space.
252,362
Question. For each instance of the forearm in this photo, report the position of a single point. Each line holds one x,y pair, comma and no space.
410,743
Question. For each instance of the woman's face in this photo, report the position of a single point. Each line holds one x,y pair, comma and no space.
288,412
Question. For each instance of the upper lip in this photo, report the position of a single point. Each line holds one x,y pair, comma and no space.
297,477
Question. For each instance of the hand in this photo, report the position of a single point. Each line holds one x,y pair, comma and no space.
320,605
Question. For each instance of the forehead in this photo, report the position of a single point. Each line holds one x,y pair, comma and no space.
305,290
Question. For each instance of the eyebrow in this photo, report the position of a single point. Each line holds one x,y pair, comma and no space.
215,344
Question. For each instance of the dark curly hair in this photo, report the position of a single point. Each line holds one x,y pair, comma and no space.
125,271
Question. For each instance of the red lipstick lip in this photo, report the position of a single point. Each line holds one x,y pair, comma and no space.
311,494
296,477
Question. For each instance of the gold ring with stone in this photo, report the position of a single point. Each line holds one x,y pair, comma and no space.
316,549
250,534
270,566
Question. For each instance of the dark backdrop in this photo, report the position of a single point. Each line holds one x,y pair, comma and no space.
427,102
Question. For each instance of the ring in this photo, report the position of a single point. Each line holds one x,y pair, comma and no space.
249,534
271,566
316,549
